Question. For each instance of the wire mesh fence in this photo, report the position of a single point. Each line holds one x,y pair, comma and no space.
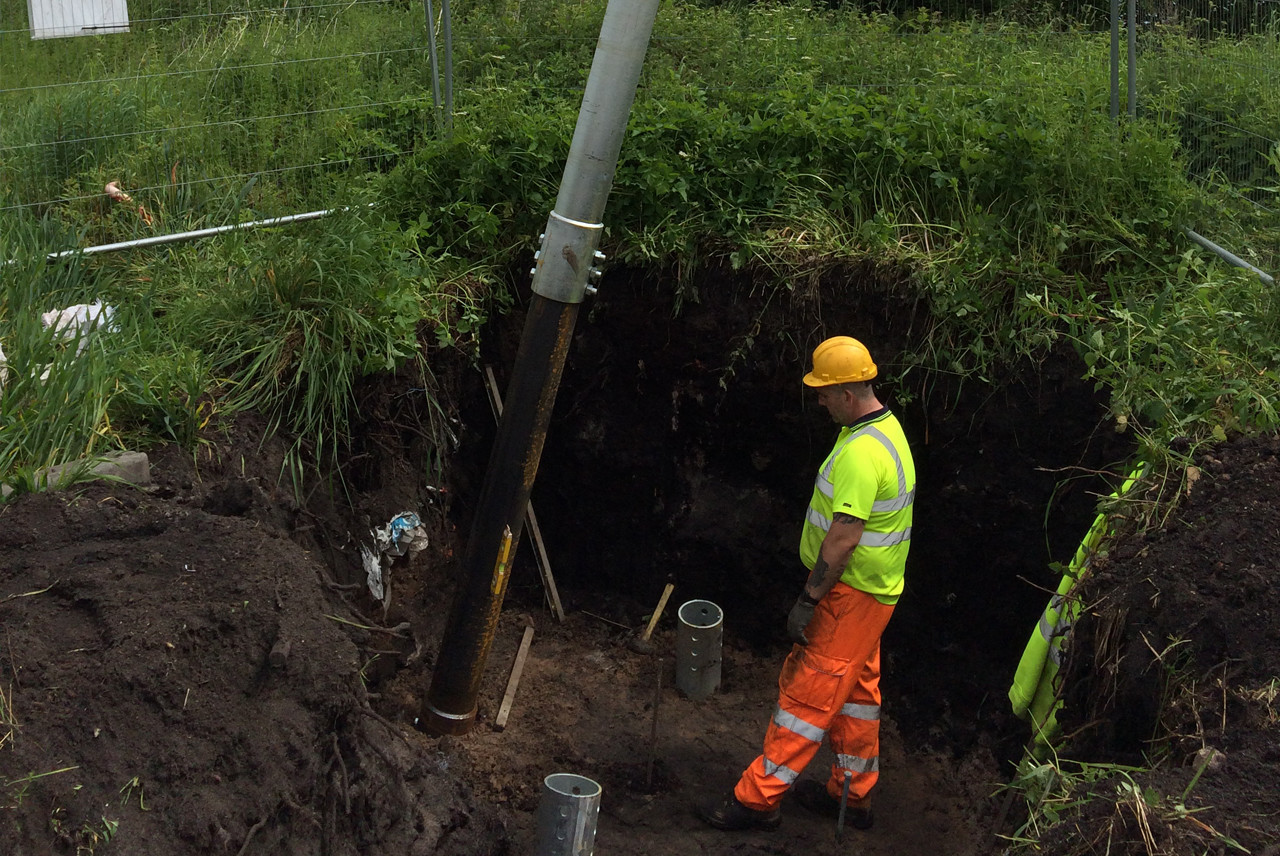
193,112
200,108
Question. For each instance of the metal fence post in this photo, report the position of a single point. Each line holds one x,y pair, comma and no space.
1115,59
1133,59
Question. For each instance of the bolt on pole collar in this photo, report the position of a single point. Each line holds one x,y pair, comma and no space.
565,263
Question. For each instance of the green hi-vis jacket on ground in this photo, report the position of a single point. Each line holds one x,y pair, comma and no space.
1036,693
870,475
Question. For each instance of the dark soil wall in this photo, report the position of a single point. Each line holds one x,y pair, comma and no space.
683,449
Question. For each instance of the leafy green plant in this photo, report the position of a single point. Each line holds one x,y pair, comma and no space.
1197,359
973,163
1056,789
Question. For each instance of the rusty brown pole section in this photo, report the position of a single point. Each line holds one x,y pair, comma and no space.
565,264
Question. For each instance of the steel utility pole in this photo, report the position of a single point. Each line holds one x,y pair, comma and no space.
565,263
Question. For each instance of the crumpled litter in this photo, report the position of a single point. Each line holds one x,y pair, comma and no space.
79,321
403,534
74,322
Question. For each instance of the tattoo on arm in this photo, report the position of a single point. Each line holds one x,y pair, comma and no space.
820,567
819,572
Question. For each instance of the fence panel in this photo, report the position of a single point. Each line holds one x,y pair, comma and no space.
202,107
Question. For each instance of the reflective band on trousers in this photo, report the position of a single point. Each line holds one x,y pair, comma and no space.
796,725
861,711
1050,617
858,765
904,499
779,772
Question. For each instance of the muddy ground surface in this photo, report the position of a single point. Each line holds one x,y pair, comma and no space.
143,712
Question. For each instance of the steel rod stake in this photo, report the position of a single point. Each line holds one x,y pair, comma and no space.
844,801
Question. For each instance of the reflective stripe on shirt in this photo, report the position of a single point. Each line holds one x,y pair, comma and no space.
904,499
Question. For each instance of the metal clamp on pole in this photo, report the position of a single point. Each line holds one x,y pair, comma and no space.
565,267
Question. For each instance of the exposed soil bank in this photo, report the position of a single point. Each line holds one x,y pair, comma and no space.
1176,659
138,624
684,449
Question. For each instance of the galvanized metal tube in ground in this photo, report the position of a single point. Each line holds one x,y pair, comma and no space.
567,816
699,640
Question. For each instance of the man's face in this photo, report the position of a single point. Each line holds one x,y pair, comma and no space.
838,401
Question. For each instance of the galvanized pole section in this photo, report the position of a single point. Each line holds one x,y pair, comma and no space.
1115,59
1229,257
560,280
175,237
435,62
1133,59
448,62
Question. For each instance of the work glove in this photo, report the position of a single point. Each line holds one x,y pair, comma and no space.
799,617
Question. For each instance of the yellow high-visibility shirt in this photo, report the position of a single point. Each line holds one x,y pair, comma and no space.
871,475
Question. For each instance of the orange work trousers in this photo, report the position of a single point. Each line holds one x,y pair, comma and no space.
830,689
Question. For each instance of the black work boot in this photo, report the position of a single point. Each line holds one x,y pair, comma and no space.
814,796
731,815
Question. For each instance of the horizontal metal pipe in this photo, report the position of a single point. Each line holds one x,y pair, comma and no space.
1229,257
195,234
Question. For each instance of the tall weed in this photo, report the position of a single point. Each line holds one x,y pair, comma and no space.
293,318
56,387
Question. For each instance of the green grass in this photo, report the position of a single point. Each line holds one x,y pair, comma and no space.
291,319
974,160
53,406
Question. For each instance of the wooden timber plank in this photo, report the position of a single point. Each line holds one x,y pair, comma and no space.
531,520
513,682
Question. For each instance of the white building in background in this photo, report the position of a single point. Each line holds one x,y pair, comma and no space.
55,19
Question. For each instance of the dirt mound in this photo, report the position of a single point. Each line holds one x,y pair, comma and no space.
1176,662
179,677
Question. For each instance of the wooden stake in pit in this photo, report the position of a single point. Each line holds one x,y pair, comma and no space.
653,730
641,644
535,533
509,697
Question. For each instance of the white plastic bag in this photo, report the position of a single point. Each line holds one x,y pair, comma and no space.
79,321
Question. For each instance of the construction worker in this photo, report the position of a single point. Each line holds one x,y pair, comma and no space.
854,542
